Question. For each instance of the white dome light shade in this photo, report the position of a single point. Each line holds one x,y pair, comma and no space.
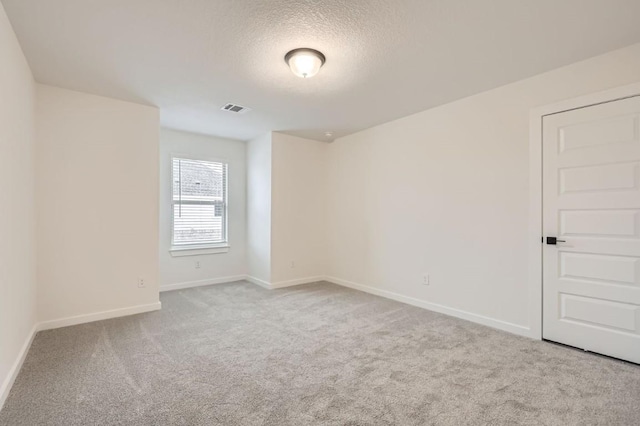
304,62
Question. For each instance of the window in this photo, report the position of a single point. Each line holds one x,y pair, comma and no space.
199,204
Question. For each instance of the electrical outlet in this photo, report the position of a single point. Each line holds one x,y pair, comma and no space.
197,264
293,264
425,279
141,283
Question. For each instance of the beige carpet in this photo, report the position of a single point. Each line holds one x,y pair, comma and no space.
236,354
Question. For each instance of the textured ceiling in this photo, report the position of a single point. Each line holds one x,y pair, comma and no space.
385,59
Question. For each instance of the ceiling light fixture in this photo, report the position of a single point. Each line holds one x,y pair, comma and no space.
304,62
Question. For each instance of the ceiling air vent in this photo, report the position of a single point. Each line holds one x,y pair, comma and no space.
237,109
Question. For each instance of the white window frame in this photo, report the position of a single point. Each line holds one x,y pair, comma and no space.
178,250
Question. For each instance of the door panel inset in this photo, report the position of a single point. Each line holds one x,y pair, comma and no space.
616,269
601,132
599,223
599,178
603,313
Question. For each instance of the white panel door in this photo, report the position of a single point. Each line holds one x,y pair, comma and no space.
591,204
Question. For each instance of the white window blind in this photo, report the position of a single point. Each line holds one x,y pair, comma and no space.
199,202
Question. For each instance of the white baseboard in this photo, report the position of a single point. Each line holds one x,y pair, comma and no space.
480,319
17,365
299,281
200,283
258,281
283,284
98,316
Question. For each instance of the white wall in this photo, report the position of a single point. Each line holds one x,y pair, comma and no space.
17,204
97,188
181,271
445,192
259,208
298,208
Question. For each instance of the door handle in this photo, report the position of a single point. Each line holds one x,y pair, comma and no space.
553,241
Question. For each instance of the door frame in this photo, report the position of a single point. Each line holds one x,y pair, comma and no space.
535,188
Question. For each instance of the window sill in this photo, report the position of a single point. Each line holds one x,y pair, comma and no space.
177,251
